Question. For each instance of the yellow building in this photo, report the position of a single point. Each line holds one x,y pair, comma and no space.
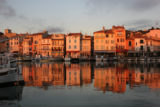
86,46
104,43
46,46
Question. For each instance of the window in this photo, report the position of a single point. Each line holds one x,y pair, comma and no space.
36,42
119,33
141,48
75,41
69,41
75,47
141,41
112,41
107,41
69,46
97,41
102,40
97,47
107,48
130,43
102,47
112,47
107,36
117,40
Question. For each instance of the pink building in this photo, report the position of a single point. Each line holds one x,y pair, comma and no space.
73,45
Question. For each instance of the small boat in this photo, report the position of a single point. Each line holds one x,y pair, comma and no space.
26,58
67,59
8,70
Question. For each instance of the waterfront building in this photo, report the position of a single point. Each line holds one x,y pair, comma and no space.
104,43
120,39
73,45
27,46
86,46
58,45
140,43
37,43
46,46
14,44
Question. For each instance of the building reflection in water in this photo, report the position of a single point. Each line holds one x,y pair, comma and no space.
107,77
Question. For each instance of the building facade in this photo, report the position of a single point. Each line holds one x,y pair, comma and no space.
104,43
73,45
86,46
58,45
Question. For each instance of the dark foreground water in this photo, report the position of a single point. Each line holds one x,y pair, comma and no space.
85,85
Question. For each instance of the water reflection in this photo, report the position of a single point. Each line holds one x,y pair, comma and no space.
114,77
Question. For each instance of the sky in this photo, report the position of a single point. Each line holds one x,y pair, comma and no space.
86,16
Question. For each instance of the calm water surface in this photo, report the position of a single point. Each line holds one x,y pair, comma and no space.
85,85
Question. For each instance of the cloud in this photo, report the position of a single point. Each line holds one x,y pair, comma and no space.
140,24
134,5
55,29
6,10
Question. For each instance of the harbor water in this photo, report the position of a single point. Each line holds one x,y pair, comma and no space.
85,84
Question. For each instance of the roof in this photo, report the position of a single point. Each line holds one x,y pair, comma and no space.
74,34
104,31
117,27
71,34
47,37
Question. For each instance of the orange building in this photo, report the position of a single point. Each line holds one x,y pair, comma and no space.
58,45
130,42
104,43
73,45
154,34
37,43
120,36
73,75
86,46
46,46
27,46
